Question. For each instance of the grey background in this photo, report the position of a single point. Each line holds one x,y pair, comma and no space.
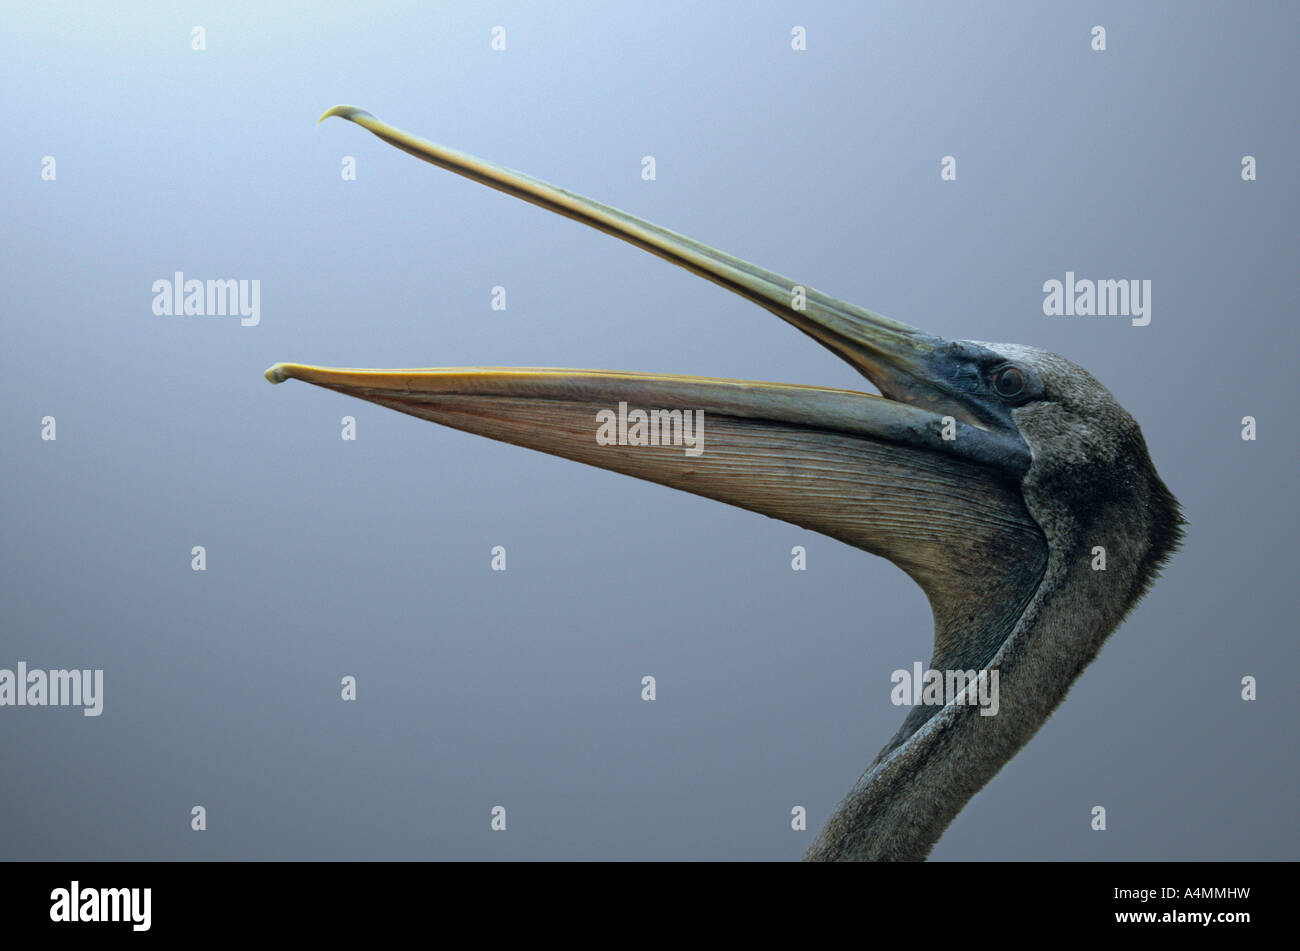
370,558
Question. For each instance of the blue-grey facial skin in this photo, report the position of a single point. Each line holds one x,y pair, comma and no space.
371,558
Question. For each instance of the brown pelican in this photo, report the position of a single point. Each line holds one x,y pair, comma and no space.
993,474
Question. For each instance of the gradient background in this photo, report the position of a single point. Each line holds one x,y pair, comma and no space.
371,558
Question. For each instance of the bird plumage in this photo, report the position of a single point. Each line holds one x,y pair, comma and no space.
1091,485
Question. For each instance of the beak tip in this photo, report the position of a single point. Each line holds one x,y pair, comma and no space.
279,373
345,112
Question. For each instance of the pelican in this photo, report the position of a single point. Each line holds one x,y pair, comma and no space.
993,474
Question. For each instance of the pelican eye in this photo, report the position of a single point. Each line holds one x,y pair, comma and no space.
1009,382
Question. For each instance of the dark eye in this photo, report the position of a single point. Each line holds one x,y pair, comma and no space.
1009,382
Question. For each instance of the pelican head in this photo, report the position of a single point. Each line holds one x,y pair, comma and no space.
998,476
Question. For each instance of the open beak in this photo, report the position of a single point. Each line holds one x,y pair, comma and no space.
915,475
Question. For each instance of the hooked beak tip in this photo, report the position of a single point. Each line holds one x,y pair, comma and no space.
345,112
278,373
